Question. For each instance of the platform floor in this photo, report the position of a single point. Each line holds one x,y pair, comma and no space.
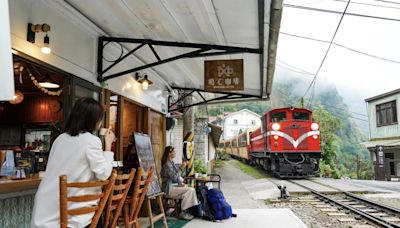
254,218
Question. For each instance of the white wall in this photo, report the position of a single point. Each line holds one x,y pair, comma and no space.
73,41
6,65
383,131
177,140
244,121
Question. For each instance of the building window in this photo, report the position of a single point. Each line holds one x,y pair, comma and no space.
253,122
235,121
386,114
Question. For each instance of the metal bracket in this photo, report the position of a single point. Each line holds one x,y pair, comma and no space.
189,91
200,50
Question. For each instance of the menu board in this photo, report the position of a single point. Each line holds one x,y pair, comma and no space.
146,160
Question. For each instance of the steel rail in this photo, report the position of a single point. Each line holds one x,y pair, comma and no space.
374,219
373,203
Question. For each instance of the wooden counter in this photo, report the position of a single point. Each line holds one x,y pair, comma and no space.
11,186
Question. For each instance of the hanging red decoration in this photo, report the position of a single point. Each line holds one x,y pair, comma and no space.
18,97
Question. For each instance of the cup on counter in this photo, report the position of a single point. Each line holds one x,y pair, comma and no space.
196,175
103,131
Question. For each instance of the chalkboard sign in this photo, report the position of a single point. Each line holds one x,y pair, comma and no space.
146,160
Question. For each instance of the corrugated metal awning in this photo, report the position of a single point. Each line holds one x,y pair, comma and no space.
388,142
252,24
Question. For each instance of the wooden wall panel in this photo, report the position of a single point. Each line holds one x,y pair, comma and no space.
157,134
38,108
132,121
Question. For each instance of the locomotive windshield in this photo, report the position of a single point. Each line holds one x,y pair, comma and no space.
301,116
277,117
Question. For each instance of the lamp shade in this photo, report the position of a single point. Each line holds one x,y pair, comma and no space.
18,98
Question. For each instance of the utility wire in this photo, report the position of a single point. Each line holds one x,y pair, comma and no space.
344,109
312,84
338,12
293,68
342,46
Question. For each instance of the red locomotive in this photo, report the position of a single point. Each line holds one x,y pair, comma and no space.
287,144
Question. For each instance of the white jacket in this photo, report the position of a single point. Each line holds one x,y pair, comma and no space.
82,159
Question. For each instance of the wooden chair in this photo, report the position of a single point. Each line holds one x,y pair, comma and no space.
98,209
134,203
117,198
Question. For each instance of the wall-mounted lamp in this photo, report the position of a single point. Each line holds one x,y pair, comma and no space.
143,80
33,29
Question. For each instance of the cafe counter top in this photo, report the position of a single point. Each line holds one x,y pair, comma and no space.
12,188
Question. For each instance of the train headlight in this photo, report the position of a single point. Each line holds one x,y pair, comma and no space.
314,126
276,137
315,136
276,127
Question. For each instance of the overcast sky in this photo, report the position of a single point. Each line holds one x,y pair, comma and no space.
348,70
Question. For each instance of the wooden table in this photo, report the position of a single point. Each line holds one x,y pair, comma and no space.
210,178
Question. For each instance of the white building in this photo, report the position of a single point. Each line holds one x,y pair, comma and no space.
236,121
384,144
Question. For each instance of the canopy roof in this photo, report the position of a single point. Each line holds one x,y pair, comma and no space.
383,142
252,25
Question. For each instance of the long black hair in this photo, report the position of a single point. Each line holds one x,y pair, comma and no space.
164,158
84,116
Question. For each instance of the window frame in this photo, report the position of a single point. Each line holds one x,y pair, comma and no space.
384,113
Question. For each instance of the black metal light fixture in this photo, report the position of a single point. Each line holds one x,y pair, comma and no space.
143,80
33,29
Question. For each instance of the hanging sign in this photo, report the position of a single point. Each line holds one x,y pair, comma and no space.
6,64
223,75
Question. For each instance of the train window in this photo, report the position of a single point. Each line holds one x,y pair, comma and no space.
301,116
277,117
243,140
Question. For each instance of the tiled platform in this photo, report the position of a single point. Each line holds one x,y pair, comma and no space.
254,218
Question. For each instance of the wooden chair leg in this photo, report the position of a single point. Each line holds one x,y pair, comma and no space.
126,216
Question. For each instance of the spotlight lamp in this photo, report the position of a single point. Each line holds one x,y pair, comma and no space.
33,29
143,79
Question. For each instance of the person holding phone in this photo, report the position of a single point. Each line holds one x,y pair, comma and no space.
172,182
77,153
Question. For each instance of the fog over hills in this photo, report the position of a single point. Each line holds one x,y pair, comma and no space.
353,97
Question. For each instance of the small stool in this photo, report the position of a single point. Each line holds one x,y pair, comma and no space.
173,203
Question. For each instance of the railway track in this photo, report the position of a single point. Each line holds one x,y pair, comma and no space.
374,212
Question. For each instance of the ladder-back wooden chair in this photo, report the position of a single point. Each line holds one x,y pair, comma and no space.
134,203
97,209
117,198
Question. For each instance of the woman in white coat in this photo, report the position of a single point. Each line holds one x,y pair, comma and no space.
78,154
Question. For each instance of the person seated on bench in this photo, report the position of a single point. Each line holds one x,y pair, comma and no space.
172,183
